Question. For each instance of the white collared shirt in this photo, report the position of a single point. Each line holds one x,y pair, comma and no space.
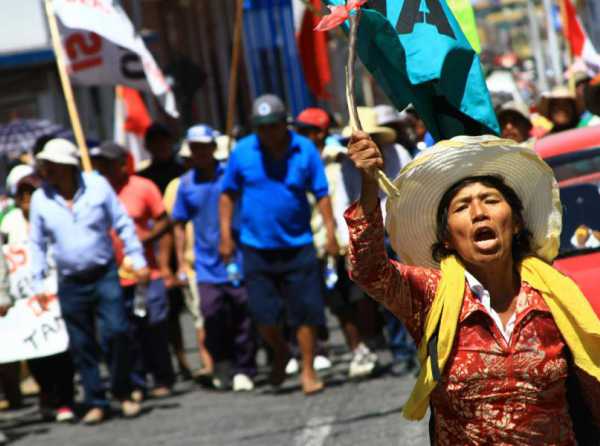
484,297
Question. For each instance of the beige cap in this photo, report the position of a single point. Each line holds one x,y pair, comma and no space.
59,151
515,107
559,92
368,119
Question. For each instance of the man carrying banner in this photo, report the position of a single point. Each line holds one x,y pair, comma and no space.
73,212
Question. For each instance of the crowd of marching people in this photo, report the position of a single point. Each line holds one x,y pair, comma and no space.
248,237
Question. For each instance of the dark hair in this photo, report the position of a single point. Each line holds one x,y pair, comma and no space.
157,130
521,241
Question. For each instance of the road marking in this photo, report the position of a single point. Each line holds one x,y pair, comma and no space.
315,432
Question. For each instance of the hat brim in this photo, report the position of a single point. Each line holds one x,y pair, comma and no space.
273,118
386,135
516,112
544,105
57,159
411,217
306,126
100,154
201,140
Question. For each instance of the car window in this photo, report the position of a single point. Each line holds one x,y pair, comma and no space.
581,218
573,165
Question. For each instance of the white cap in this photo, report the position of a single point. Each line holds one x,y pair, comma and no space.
386,114
201,133
60,151
16,174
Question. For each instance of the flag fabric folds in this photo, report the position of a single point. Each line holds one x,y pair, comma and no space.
581,46
312,48
418,54
103,48
464,14
131,122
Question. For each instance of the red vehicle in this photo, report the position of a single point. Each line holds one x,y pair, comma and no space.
574,156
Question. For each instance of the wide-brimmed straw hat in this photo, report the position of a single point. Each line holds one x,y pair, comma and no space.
557,93
368,119
411,217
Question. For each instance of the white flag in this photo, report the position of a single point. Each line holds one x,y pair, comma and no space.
102,47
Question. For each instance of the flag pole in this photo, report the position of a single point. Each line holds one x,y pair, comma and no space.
66,86
233,72
385,184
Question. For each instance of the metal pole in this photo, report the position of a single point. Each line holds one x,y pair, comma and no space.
553,44
536,44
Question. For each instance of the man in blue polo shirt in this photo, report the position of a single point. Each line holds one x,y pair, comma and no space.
270,173
224,300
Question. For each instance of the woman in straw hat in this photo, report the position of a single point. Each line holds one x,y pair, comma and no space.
504,338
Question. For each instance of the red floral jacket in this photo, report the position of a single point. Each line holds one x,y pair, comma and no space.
491,391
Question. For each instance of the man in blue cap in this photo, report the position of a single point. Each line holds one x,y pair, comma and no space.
223,297
270,173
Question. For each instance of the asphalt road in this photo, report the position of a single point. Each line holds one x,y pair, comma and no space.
367,412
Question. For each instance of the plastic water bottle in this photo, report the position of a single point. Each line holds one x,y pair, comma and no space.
139,300
331,275
233,274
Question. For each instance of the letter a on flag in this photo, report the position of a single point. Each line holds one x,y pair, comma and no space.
418,54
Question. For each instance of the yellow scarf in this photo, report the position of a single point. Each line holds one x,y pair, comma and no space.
572,313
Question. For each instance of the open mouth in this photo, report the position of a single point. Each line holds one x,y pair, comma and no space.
485,238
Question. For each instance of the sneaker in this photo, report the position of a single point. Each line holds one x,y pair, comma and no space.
363,362
242,383
321,362
292,367
93,416
130,409
65,415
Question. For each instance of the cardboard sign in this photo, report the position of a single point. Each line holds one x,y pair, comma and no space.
27,330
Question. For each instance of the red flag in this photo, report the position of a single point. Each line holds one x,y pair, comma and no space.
314,53
572,28
131,121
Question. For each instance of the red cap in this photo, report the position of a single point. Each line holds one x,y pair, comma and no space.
314,117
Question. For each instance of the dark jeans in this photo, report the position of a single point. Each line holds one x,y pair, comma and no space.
87,307
401,343
54,374
284,282
229,333
149,337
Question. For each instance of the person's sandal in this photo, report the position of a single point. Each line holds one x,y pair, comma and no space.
130,409
93,416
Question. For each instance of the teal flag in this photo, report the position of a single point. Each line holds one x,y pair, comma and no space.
417,52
